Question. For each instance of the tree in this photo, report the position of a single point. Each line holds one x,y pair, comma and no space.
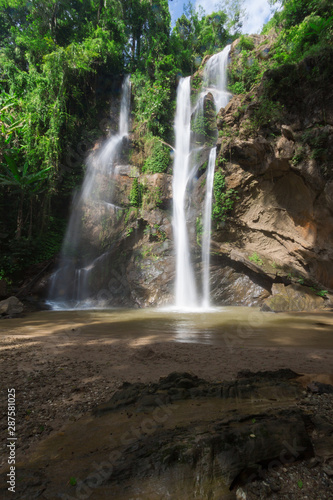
23,183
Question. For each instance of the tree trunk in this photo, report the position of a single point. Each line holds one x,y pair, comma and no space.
19,224
54,22
100,8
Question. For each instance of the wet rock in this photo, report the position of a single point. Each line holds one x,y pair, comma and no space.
282,374
320,388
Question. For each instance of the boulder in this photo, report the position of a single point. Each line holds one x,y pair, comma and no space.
11,307
292,298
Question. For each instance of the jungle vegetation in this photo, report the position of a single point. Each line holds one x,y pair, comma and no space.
58,61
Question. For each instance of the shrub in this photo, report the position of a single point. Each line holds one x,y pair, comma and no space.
158,157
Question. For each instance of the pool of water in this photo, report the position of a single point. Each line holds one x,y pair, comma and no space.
229,325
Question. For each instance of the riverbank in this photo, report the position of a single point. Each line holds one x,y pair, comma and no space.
64,364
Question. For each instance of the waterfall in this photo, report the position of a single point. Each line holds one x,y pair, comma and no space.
185,169
185,293
215,78
207,223
70,284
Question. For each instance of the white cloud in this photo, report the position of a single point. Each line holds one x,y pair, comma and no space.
257,13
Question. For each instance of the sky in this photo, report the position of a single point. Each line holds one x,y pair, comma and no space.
258,12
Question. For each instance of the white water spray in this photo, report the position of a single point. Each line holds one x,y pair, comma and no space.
207,227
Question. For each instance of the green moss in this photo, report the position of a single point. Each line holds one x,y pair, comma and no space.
224,198
159,157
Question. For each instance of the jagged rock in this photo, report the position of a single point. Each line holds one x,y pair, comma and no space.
11,307
128,170
233,287
292,298
285,148
252,155
288,133
161,184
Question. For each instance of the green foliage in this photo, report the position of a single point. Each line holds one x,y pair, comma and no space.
135,194
266,112
199,229
298,156
224,199
319,292
154,102
307,27
256,259
245,73
204,125
245,43
158,160
197,34
151,197
237,88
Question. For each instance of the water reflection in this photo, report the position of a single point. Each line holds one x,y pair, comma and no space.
231,327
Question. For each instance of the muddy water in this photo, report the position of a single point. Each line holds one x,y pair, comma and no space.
231,326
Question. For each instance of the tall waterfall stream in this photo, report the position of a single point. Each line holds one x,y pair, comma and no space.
187,295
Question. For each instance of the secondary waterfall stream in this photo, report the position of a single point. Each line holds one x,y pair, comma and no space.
185,169
70,285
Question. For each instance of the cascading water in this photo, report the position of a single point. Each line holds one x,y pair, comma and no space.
70,285
207,227
185,283
185,168
215,78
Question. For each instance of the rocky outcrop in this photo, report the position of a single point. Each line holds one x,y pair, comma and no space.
276,150
292,298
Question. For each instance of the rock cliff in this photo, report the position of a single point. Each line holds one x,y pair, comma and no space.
275,150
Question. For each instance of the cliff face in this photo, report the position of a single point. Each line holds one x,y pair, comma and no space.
276,151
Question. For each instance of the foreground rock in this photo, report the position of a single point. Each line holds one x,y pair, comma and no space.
292,298
186,438
11,307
